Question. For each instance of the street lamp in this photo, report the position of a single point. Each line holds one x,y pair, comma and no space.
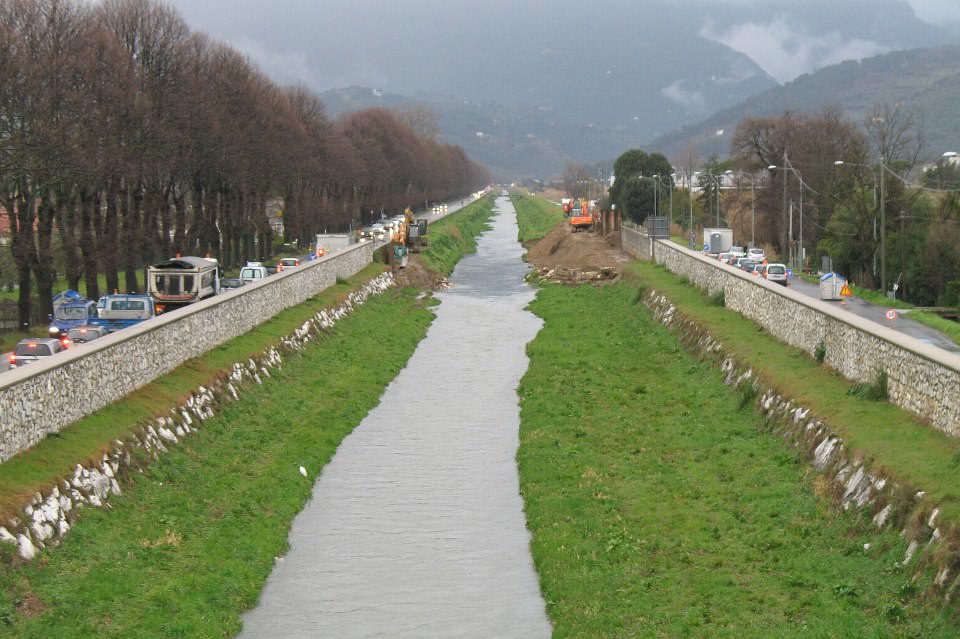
883,223
789,167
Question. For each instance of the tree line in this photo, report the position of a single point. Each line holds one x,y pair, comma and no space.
126,138
856,192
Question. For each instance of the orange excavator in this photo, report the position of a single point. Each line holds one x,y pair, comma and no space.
581,217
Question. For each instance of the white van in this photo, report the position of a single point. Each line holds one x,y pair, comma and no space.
253,271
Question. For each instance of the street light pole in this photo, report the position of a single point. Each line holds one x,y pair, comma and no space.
883,233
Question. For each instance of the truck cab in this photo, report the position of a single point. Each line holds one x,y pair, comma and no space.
70,310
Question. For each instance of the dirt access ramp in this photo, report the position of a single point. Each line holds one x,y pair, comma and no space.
576,257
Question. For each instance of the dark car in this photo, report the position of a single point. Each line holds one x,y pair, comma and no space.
231,282
84,334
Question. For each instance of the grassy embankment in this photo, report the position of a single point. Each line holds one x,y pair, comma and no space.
455,235
535,216
660,508
188,545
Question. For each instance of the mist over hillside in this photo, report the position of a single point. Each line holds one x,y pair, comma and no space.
524,87
925,80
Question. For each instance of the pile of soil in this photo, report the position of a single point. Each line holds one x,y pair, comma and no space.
419,276
574,257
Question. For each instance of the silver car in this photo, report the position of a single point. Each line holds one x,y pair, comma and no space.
33,348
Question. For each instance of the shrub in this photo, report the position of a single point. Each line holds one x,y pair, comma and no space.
718,299
874,391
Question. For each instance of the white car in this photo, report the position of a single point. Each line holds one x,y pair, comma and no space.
776,272
756,254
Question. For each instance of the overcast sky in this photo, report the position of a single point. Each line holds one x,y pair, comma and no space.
278,35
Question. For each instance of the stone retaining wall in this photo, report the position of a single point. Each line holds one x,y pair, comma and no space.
46,396
920,378
48,517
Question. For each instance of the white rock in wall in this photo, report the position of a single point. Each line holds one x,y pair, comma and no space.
42,531
853,484
823,454
5,536
881,517
25,548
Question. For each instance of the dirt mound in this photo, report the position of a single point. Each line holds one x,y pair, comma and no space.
565,256
419,276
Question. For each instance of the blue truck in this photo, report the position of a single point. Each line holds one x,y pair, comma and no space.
70,310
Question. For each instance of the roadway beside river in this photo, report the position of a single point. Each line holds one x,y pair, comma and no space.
901,322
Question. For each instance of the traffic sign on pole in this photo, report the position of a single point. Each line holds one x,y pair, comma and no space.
891,315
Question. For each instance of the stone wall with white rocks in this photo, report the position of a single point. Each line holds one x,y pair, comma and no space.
920,378
855,484
47,518
46,396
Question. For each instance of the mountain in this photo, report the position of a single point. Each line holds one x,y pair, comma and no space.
513,143
525,87
927,80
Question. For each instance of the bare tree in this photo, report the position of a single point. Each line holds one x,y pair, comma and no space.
896,133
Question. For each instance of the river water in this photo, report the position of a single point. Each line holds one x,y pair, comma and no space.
416,526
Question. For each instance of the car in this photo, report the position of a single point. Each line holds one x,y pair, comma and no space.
757,254
83,334
775,272
750,266
30,349
378,231
287,262
739,261
272,269
231,282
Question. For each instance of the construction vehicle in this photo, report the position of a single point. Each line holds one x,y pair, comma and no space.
414,231
581,217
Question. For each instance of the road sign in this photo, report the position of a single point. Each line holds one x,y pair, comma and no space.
706,248
891,315
845,291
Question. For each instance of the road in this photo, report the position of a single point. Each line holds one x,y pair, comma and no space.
869,311
452,207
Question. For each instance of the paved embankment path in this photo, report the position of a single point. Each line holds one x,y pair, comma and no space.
416,526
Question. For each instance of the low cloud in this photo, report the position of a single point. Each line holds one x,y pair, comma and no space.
692,100
283,67
785,52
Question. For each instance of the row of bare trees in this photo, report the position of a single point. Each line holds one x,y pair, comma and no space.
126,138
861,190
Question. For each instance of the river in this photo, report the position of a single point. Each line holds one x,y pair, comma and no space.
416,526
